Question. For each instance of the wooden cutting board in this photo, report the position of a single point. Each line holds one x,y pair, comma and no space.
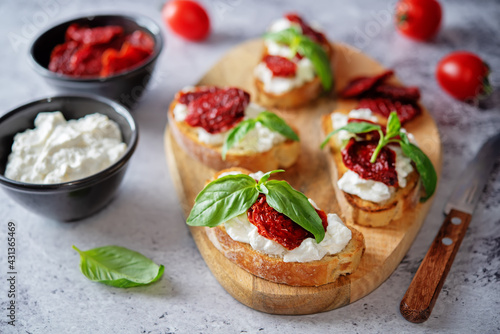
385,247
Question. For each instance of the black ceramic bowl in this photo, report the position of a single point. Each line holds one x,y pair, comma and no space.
76,199
125,87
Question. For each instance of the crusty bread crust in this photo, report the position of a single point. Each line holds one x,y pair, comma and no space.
294,98
282,155
272,268
367,213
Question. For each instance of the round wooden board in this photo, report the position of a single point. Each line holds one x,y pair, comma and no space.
385,247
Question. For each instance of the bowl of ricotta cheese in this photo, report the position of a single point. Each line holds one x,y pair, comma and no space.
64,157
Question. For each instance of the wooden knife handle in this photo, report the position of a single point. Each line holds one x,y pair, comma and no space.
419,299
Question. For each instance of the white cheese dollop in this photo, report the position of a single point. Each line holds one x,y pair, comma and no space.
351,182
279,85
339,120
337,236
58,151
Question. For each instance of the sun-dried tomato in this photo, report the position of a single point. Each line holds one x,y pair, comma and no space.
358,86
277,227
188,97
99,51
280,66
313,34
383,106
97,35
218,111
357,154
400,93
61,56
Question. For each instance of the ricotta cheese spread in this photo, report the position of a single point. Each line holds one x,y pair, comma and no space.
259,139
279,85
57,150
337,236
351,182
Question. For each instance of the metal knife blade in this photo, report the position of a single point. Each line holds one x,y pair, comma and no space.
418,301
471,182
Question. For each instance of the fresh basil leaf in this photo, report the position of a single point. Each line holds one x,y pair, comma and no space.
118,266
295,205
393,125
285,36
354,127
317,55
223,199
237,134
424,166
266,176
275,123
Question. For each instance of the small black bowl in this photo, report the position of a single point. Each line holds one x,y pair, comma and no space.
76,199
126,87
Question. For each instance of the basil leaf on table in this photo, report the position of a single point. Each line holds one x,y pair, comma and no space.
223,199
118,266
295,205
277,124
354,127
237,134
424,166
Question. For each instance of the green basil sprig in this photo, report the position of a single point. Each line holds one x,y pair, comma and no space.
232,195
268,119
118,266
422,162
306,48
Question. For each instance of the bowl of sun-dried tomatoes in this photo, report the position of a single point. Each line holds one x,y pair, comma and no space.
108,55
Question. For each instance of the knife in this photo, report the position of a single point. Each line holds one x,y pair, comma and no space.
419,299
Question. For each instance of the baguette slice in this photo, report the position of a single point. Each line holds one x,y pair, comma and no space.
272,268
362,212
295,97
282,155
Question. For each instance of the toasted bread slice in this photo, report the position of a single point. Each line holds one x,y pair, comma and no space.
357,210
295,97
273,268
282,155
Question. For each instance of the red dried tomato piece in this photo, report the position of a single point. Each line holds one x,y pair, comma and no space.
406,110
411,94
114,62
313,34
361,85
219,111
61,56
277,227
280,66
188,97
357,154
87,61
97,35
142,40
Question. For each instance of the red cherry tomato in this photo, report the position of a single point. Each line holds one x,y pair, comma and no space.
187,18
418,19
463,75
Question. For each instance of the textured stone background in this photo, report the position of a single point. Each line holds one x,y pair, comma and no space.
54,297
